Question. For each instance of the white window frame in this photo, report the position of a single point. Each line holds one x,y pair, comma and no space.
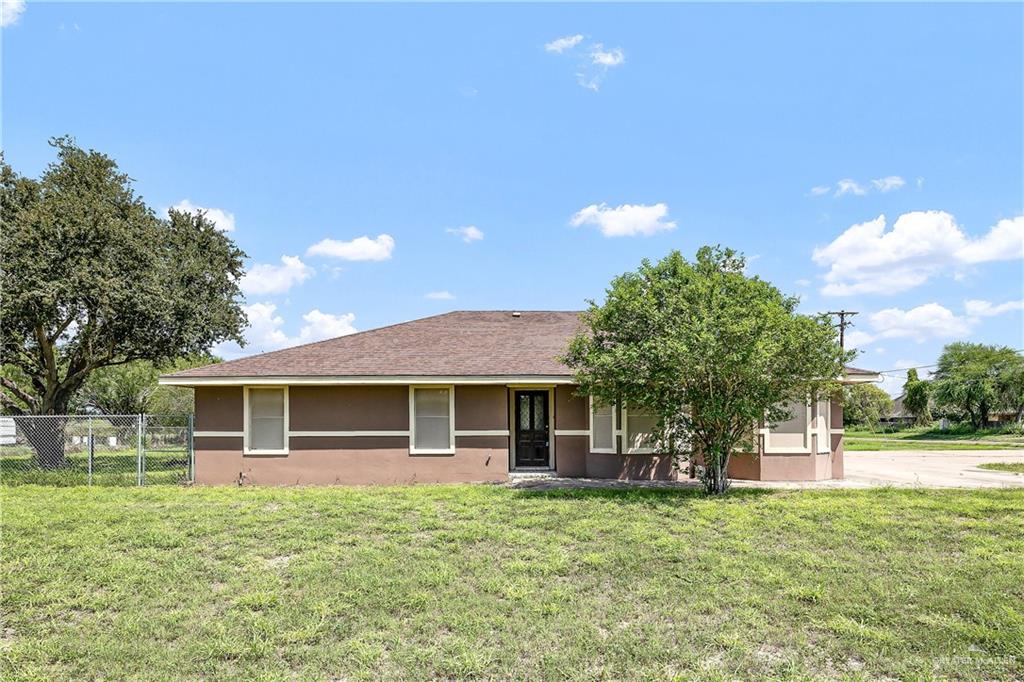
626,440
247,418
808,430
614,449
450,450
823,424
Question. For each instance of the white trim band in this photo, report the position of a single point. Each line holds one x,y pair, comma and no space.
508,380
484,432
572,432
218,434
347,434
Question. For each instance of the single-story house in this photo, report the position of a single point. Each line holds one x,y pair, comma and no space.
464,396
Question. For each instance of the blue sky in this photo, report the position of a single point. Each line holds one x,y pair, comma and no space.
574,139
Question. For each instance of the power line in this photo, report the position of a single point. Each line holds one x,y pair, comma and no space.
843,324
904,369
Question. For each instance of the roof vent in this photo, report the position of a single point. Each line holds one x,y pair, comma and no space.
517,314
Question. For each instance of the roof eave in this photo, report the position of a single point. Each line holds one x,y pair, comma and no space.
173,380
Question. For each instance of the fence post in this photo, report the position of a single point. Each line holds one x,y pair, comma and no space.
138,449
191,450
90,446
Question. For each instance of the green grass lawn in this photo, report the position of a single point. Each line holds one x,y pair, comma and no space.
111,467
958,437
486,581
1011,467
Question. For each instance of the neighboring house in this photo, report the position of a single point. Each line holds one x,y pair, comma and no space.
898,414
465,396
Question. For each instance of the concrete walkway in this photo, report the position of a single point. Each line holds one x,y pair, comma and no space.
931,469
865,469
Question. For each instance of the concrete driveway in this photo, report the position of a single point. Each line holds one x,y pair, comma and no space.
931,469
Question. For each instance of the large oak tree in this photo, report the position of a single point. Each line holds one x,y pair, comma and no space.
92,277
707,349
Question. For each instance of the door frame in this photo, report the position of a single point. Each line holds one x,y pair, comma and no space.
512,390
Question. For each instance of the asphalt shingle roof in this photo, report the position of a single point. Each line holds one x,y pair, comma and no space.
461,343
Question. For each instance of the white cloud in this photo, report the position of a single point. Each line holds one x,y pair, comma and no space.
626,220
928,321
440,296
265,278
848,186
978,308
469,233
803,282
606,58
10,11
361,248
564,43
222,220
865,259
888,183
266,330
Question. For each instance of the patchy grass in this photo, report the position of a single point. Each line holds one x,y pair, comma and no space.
1010,467
117,468
482,581
852,443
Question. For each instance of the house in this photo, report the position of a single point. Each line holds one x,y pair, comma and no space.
464,396
899,415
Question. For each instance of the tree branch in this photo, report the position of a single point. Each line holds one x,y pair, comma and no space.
17,392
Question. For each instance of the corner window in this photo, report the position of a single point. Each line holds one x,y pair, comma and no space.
792,435
822,419
266,420
639,431
432,420
602,428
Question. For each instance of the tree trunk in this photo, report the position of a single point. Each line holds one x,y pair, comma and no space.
46,436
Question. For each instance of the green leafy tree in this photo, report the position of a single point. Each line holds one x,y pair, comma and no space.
865,404
917,398
134,388
705,348
92,278
970,379
1010,387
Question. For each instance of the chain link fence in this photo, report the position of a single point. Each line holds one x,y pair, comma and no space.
116,450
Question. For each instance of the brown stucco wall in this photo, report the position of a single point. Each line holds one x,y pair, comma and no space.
631,467
571,455
571,411
219,408
351,467
348,408
481,408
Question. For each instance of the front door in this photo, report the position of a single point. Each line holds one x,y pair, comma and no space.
532,439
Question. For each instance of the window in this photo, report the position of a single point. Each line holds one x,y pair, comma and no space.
602,428
432,420
822,419
639,429
266,420
791,435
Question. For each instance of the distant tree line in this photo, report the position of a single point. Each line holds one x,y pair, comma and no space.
972,382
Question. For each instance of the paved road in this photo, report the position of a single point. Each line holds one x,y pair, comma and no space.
934,468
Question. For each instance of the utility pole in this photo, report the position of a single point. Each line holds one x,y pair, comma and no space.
843,324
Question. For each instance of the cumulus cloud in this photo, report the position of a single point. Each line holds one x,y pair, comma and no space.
440,296
928,321
222,220
848,186
266,330
360,248
867,259
266,278
564,43
469,233
626,220
602,57
979,308
10,11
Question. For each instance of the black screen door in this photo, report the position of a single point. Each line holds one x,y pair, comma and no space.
532,442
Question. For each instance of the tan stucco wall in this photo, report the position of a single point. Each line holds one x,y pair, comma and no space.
219,408
348,408
481,408
632,467
571,455
571,411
